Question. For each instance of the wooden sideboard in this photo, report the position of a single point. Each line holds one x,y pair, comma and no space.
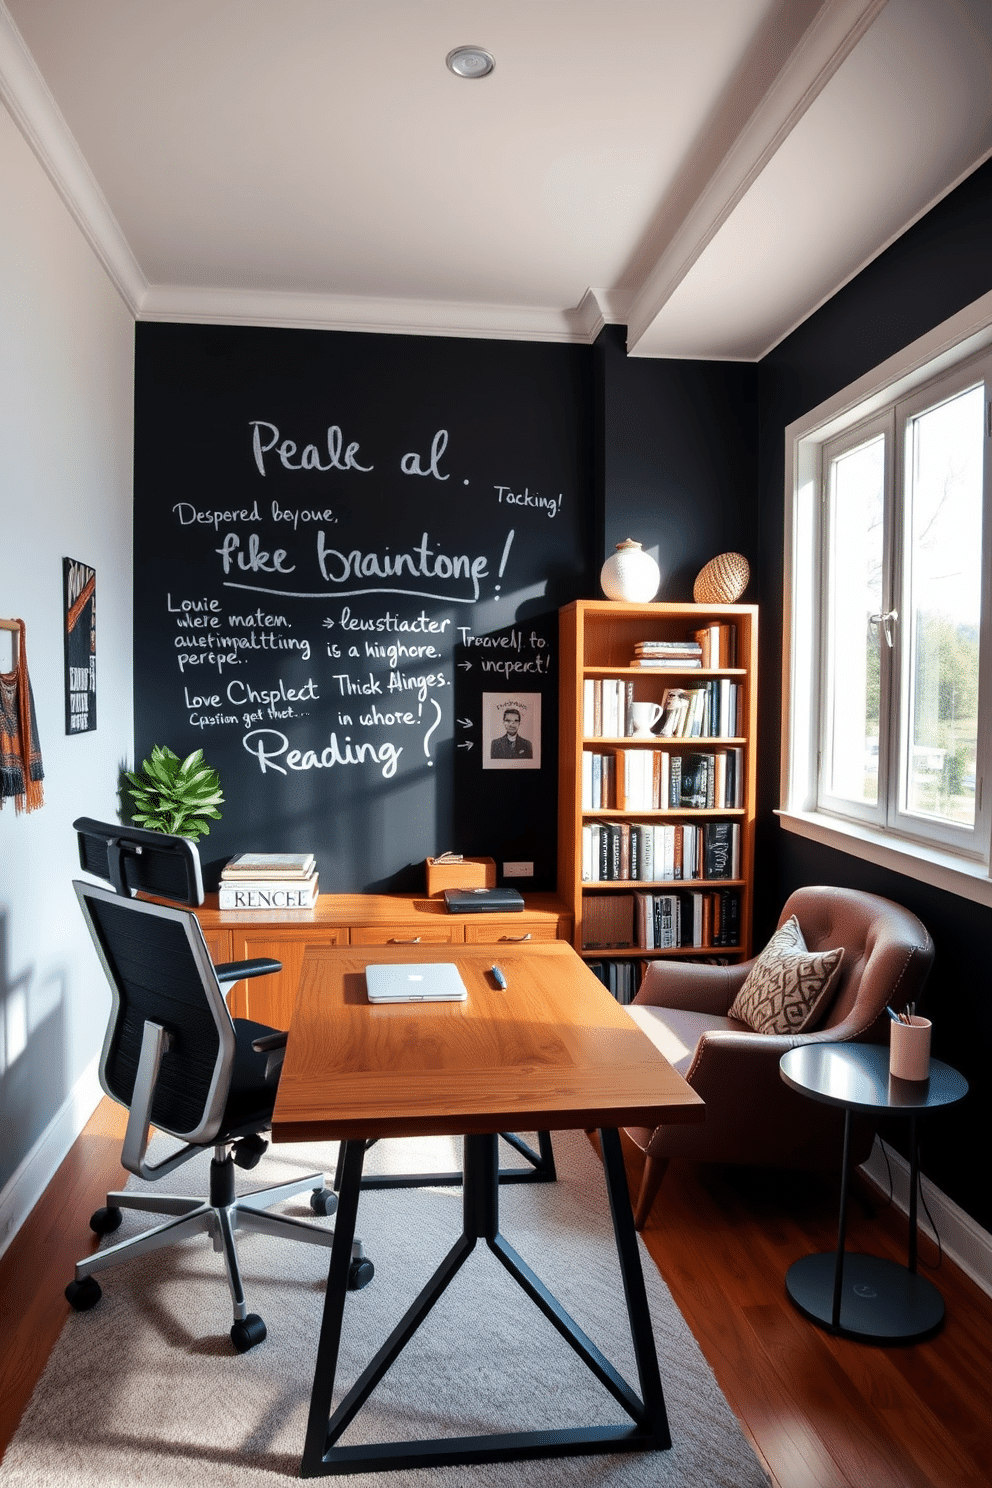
357,919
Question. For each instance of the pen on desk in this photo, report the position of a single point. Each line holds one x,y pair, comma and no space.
500,978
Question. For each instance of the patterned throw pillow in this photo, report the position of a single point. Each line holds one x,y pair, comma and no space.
788,984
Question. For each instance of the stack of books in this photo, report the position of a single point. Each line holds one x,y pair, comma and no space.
676,655
269,881
712,647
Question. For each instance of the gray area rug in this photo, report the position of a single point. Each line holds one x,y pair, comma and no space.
146,1387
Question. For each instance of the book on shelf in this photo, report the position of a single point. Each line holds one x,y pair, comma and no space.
674,713
278,893
669,663
621,978
668,648
607,921
721,849
718,646
268,866
695,791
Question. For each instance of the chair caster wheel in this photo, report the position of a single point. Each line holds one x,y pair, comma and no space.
323,1201
249,1151
360,1273
82,1295
103,1221
246,1334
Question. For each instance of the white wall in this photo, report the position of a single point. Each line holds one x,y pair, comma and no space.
66,423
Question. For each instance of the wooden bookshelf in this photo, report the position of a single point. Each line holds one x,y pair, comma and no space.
597,643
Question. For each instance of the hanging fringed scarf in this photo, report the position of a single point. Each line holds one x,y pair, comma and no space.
21,770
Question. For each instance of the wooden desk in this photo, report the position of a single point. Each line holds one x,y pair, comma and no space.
552,1051
357,919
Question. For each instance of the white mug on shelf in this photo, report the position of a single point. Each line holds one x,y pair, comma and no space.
909,1048
644,716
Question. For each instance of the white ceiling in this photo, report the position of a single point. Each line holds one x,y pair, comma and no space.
704,171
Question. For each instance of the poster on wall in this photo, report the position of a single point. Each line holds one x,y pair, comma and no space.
79,607
513,731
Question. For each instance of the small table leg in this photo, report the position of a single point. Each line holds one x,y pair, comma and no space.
841,1224
914,1183
865,1296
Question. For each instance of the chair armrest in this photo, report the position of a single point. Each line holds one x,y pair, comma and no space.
273,1044
268,1042
699,989
752,1115
718,1054
236,971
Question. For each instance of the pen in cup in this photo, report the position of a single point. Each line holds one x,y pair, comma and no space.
500,978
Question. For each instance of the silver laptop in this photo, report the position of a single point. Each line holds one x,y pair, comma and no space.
426,981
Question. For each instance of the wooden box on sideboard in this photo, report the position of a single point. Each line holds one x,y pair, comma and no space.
470,873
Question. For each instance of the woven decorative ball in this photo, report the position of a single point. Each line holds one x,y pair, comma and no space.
722,580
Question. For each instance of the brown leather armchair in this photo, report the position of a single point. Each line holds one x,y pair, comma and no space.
752,1116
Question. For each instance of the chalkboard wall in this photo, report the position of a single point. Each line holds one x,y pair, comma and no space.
349,555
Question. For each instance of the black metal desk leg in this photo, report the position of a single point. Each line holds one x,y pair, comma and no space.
334,1300
649,1431
642,1333
480,1191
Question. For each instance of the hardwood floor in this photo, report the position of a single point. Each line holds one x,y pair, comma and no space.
821,1412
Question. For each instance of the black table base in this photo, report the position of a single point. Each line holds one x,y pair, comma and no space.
880,1300
541,1168
649,1428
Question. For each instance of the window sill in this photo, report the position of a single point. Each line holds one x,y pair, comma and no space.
942,870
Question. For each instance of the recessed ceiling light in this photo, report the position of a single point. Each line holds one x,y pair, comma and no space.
470,62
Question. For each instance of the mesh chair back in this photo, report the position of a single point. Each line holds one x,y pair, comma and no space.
133,859
160,972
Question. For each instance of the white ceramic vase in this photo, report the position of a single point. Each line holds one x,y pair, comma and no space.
630,574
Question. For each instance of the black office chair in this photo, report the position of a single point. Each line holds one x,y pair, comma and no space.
178,1061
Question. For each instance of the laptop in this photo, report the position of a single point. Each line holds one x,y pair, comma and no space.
426,981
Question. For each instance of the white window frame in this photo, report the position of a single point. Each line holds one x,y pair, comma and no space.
859,434
955,861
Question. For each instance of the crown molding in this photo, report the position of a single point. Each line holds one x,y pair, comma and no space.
27,97
832,36
165,302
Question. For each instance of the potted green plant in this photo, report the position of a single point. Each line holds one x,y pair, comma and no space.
174,795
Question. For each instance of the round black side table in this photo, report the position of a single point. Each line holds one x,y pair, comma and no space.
864,1296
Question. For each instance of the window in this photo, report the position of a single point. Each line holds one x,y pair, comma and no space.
890,531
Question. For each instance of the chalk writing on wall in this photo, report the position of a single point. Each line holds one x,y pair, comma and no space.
332,567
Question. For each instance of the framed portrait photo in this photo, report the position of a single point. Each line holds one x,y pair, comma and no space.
511,731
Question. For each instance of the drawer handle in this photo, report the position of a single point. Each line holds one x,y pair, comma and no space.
394,941
514,939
